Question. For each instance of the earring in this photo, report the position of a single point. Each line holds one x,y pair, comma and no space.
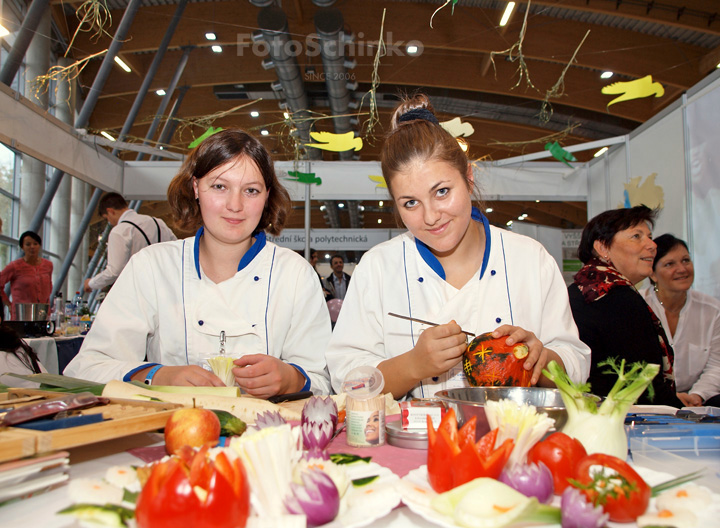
655,287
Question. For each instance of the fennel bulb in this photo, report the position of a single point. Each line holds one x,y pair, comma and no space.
601,429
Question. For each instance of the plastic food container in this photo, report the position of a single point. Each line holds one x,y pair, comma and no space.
364,407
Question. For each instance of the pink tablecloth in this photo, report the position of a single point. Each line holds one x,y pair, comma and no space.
400,461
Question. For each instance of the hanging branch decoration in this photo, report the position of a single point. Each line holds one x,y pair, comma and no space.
59,74
452,10
558,89
96,16
335,142
374,115
557,136
203,122
517,48
639,88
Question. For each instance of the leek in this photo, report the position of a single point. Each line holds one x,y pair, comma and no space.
601,429
229,392
222,367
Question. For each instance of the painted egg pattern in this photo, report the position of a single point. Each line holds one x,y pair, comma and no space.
489,362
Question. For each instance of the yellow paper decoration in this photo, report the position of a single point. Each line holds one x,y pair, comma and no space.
636,89
335,142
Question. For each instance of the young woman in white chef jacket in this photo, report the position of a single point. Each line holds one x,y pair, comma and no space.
177,303
451,267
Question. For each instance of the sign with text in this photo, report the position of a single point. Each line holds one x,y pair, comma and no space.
335,239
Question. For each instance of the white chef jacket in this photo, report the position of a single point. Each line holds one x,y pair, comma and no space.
518,283
164,307
696,342
125,240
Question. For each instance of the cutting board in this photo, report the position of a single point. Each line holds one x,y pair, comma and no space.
120,418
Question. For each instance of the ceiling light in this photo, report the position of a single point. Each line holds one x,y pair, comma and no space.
216,48
122,64
509,223
361,207
160,92
524,216
537,201
286,115
210,35
327,255
606,75
380,203
254,113
521,218
379,220
264,132
161,147
105,134
3,32
600,152
412,49
507,13
322,207
341,205
718,66
489,210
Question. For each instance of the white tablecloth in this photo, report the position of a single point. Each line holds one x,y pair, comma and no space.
46,349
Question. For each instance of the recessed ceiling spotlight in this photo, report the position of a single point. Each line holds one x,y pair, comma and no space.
341,205
217,49
210,35
412,49
380,203
509,223
160,92
322,207
606,74
379,220
254,113
489,210
600,152
286,115
537,201
264,132
327,256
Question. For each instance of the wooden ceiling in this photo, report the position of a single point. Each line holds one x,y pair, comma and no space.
675,41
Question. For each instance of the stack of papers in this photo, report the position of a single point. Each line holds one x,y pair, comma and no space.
24,478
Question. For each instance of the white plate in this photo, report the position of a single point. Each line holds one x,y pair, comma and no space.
417,493
360,506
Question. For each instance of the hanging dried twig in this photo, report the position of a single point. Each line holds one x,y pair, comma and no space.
557,136
517,48
94,16
558,89
442,7
373,114
41,83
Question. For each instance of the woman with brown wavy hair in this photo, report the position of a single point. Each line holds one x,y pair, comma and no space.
226,290
451,267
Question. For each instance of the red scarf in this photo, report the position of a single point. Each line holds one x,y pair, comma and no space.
595,280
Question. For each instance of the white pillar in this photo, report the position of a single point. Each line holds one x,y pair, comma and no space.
32,184
60,207
77,210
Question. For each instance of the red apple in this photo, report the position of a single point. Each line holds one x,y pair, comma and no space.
191,427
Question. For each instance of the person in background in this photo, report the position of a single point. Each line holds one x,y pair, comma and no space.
313,263
453,268
691,321
617,251
30,276
225,291
130,233
338,281
16,357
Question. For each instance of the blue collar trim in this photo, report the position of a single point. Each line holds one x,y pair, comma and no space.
247,258
432,261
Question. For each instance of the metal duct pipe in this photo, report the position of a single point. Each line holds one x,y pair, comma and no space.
333,214
262,3
323,3
353,207
329,24
283,54
25,35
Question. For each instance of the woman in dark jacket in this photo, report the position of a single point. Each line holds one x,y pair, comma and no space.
612,317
